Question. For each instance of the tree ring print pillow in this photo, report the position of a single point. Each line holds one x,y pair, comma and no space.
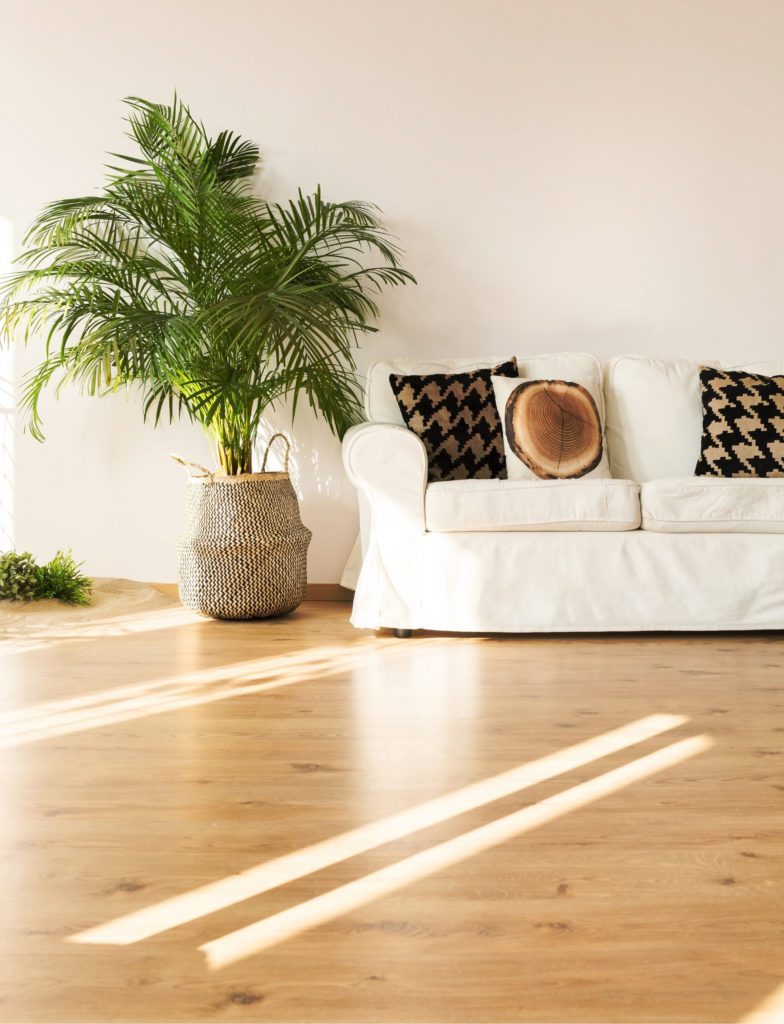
742,424
552,430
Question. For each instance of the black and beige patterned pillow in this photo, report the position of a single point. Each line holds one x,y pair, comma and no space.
742,424
456,418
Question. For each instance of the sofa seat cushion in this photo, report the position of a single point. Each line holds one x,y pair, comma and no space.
515,505
713,505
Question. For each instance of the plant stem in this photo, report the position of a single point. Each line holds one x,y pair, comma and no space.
235,459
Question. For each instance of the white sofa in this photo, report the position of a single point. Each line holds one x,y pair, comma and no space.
655,548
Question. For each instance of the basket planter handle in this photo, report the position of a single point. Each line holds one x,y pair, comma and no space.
194,468
267,451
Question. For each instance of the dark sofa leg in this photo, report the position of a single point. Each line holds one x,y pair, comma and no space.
402,634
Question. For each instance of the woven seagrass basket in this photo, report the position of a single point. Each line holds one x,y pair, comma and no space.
243,552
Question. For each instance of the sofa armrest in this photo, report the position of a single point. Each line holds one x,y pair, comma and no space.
389,465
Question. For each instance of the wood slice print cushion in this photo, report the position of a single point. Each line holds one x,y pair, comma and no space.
554,428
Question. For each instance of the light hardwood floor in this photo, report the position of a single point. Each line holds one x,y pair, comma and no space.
144,766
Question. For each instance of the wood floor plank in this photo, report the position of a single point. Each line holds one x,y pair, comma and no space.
139,767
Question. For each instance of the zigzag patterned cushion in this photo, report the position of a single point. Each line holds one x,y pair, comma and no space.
456,418
742,424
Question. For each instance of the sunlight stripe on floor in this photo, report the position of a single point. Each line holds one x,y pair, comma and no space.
215,896
287,924
769,1011
178,692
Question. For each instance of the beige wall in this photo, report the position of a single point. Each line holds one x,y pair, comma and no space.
564,174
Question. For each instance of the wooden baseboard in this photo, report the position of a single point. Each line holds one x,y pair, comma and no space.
315,591
328,592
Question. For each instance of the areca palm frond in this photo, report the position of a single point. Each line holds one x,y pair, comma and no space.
215,303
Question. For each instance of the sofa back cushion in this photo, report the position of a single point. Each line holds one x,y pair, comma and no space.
653,426
381,405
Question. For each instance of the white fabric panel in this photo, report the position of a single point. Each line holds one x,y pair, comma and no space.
582,582
713,505
381,405
350,573
654,414
389,467
583,504
516,469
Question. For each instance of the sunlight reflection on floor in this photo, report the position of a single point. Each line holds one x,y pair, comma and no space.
216,896
185,690
769,1011
112,625
271,931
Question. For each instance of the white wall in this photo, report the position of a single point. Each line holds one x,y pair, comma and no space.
589,174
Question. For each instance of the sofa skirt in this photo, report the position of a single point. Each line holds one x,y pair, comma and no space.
572,582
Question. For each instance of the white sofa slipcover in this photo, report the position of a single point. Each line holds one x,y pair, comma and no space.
530,556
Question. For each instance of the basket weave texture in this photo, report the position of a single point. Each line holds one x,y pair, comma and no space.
243,552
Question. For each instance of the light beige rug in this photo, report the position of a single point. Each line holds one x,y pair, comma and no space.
117,604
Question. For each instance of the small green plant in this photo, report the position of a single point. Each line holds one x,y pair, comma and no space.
62,580
19,577
22,579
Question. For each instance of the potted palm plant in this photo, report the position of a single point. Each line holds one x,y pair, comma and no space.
179,282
